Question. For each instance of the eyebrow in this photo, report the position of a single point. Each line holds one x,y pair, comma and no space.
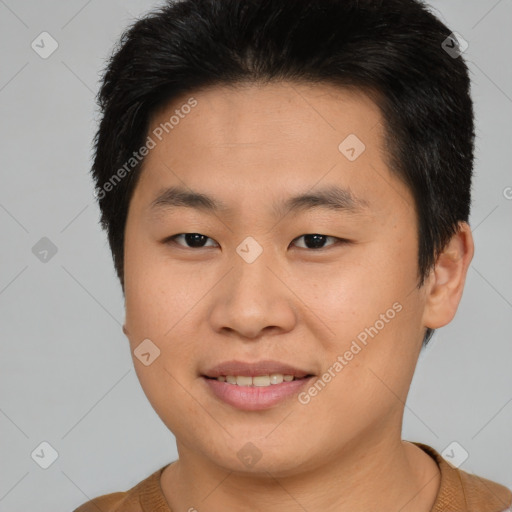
331,198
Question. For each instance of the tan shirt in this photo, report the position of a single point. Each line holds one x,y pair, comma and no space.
458,492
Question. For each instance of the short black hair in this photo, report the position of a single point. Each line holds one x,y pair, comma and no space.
394,50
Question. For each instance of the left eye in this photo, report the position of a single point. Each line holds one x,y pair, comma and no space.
197,240
317,240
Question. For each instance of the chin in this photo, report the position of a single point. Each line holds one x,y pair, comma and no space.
258,457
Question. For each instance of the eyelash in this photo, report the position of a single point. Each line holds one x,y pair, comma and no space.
340,241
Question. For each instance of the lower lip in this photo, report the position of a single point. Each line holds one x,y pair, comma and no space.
255,398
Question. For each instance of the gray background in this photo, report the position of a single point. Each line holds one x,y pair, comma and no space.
66,372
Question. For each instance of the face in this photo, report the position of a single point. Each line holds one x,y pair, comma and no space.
302,261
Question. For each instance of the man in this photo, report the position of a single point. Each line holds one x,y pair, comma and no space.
286,190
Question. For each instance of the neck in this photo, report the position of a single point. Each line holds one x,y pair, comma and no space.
385,476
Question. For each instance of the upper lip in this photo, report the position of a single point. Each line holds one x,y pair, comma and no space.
264,367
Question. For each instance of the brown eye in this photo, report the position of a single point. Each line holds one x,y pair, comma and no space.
317,241
192,240
312,241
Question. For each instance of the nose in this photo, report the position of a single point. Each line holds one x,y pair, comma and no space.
253,300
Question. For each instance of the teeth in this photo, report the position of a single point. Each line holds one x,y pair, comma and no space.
259,380
243,381
276,378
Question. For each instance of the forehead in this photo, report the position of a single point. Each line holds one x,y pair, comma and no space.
251,114
281,136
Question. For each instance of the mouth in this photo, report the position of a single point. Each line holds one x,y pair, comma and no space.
255,386
264,368
261,381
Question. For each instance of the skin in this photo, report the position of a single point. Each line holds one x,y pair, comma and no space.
250,146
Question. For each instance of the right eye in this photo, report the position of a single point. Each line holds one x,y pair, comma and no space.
196,240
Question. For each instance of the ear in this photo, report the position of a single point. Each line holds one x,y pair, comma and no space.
444,286
125,330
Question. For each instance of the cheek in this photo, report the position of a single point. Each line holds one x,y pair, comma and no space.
157,293
167,392
366,381
353,296
373,311
159,303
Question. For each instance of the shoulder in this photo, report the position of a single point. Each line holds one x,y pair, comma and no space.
464,491
146,495
478,490
105,503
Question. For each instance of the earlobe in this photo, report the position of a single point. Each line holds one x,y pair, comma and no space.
446,283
